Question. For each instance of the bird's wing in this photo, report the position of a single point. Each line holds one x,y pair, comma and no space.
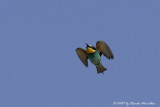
104,49
82,56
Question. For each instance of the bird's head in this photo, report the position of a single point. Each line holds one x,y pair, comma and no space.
90,49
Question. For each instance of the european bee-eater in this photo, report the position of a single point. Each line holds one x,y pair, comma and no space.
94,55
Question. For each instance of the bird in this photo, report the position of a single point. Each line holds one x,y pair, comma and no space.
94,55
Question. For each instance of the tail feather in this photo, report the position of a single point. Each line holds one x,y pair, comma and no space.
100,68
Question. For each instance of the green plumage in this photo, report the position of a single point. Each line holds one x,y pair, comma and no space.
94,58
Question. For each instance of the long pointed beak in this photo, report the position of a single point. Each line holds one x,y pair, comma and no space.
87,45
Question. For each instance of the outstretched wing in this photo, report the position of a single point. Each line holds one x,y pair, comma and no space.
82,56
104,49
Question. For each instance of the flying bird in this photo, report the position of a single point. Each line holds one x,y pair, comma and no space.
94,55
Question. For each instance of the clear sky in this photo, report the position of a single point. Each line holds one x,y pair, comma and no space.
39,66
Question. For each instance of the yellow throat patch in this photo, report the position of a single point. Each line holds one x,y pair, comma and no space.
90,50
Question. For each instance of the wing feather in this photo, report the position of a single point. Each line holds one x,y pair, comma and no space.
104,49
82,56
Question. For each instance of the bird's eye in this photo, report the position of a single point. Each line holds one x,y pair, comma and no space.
94,48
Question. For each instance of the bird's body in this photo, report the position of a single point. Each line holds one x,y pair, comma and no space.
95,58
94,55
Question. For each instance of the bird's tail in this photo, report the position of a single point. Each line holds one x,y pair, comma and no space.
100,68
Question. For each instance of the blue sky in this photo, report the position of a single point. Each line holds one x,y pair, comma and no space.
39,66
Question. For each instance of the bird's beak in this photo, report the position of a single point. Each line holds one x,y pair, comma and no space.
87,45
